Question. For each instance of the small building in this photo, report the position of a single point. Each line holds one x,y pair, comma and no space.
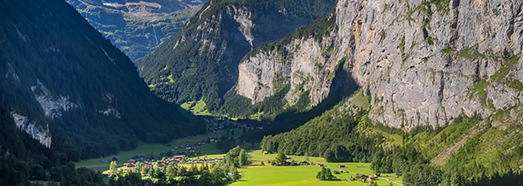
321,164
342,165
362,177
179,157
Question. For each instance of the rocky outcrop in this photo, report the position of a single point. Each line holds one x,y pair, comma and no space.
38,133
306,68
258,77
243,16
53,106
422,62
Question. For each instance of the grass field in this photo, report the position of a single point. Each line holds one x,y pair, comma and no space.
144,149
198,108
261,175
303,175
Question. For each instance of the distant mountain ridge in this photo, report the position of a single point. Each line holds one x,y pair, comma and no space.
137,27
72,90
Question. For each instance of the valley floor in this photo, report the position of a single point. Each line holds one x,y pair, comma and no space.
304,175
145,149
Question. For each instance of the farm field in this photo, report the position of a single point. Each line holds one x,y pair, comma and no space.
303,175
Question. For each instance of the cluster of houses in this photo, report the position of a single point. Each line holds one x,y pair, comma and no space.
364,178
205,160
132,163
360,177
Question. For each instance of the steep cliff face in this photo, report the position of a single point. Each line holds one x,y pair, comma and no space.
215,40
303,65
422,62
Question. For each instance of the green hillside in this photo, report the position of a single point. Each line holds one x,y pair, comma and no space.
464,152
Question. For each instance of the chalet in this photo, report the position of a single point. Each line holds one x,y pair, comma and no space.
304,163
321,164
179,157
265,152
342,165
362,177
371,178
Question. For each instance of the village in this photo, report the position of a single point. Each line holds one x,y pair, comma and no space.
189,153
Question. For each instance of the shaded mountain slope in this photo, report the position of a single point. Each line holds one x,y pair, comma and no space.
71,89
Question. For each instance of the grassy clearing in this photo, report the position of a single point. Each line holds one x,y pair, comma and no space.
303,175
198,108
360,100
144,149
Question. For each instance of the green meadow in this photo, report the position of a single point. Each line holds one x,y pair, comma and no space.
304,175
255,174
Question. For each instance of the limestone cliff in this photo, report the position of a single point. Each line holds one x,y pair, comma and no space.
422,62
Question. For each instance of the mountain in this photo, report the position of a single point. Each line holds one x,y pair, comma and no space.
137,27
71,90
421,62
201,62
440,88
468,151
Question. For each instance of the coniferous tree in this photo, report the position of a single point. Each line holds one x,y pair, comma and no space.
113,167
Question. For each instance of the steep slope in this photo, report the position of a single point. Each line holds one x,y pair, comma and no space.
202,61
421,62
469,151
72,90
137,27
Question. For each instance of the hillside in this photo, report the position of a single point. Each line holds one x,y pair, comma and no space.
72,90
202,61
137,27
469,151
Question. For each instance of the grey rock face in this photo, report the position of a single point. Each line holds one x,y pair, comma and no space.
421,63
305,68
39,133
